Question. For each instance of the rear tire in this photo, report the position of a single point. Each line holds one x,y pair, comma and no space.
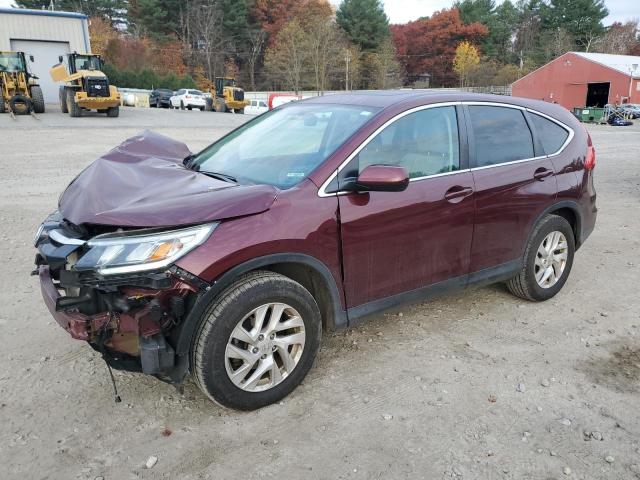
533,282
62,95
113,111
72,105
241,111
37,98
236,307
181,105
3,108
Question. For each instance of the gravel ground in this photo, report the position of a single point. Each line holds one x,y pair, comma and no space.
476,385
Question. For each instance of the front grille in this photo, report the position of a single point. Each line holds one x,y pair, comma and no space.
97,87
238,95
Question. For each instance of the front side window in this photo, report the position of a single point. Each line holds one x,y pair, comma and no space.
11,62
284,146
550,133
87,62
424,143
501,135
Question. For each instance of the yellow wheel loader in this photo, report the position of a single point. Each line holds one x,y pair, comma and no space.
228,96
19,89
85,87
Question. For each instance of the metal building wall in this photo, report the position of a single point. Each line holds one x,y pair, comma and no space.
565,80
19,24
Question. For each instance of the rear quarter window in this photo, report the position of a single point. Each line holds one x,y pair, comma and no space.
501,135
550,133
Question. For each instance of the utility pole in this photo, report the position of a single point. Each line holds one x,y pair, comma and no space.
632,70
347,59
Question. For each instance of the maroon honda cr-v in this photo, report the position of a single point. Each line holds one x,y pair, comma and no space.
228,264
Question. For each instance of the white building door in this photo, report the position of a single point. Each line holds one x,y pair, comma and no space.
45,55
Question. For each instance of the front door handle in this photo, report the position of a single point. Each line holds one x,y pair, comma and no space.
541,173
457,194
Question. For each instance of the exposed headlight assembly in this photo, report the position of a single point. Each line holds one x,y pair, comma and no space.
111,253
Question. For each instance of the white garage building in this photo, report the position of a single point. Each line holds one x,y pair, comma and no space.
45,35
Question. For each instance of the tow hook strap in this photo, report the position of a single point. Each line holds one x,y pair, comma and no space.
103,350
116,397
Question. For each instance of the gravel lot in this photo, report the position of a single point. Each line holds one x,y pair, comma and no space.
476,385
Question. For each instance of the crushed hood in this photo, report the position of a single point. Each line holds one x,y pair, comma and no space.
143,183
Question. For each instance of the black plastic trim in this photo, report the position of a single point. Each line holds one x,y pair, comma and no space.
475,279
575,208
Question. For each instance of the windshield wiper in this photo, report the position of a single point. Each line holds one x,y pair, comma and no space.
219,176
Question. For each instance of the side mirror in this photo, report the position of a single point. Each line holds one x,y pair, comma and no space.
31,58
382,178
60,59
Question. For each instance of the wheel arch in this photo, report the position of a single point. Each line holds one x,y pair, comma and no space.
304,269
567,209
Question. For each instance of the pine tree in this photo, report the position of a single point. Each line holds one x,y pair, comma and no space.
364,22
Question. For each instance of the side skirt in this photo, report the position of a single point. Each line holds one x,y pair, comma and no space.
475,279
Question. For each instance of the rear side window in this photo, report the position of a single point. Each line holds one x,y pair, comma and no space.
550,134
501,135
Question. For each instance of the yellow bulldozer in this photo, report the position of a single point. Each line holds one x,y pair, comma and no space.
227,96
85,87
20,93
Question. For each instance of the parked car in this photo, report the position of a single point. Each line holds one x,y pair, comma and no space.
229,264
256,107
189,99
160,97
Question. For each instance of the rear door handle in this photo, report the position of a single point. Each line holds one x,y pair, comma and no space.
457,193
542,173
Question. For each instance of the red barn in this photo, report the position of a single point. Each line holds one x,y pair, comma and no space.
578,79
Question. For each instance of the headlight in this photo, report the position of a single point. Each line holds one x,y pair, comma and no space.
112,254
53,220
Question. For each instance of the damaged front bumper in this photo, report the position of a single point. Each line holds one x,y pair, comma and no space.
132,319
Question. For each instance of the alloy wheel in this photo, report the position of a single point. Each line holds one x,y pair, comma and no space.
551,259
265,347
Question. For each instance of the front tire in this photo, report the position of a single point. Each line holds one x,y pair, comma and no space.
37,98
113,111
548,260
72,106
62,96
257,341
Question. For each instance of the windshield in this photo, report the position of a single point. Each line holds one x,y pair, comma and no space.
87,62
282,147
11,62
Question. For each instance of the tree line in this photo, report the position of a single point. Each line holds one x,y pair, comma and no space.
308,44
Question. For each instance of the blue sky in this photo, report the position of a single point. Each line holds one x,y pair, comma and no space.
402,11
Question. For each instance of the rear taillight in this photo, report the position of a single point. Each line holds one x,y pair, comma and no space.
187,96
590,160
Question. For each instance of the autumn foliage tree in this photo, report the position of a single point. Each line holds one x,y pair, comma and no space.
466,58
273,15
429,45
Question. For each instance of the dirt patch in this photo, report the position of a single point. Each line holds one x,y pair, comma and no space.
619,372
